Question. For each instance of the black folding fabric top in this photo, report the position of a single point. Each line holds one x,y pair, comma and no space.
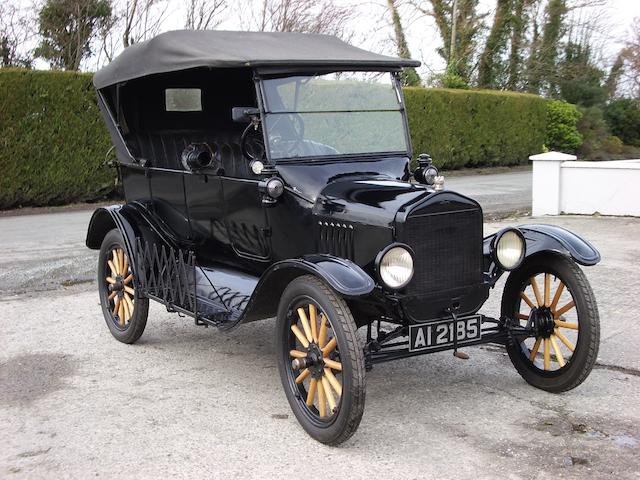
184,49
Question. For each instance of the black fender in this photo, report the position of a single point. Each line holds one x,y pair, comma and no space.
550,238
105,219
133,221
343,276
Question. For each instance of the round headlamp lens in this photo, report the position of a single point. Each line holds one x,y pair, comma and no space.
430,175
396,267
510,250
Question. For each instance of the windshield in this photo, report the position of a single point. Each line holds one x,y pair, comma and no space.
345,113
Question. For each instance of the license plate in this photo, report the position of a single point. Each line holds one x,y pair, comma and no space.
442,333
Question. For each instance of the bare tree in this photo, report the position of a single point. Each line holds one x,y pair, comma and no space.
204,14
16,31
631,55
310,16
459,24
142,19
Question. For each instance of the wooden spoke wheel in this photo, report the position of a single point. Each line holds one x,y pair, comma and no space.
321,364
552,295
124,310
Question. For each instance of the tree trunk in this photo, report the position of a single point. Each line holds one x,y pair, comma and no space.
409,75
496,42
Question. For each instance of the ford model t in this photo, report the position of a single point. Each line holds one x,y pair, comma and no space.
268,175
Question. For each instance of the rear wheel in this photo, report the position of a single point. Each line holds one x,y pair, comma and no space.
124,309
551,293
320,361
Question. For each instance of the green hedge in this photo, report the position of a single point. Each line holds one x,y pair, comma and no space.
471,128
53,140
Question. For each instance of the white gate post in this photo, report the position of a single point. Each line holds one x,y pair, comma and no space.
545,190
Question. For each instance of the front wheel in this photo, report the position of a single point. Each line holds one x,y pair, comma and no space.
320,361
551,294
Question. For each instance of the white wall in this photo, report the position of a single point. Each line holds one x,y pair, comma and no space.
563,185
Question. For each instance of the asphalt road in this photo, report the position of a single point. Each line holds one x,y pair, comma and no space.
193,402
499,194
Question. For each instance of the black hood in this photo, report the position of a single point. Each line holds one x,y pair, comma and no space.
372,201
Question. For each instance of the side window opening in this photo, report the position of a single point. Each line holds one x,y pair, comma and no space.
183,99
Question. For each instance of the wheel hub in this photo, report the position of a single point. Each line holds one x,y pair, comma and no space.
543,321
316,364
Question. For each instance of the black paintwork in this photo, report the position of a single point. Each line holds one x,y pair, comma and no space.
333,219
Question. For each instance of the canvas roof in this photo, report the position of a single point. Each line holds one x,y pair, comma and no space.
186,49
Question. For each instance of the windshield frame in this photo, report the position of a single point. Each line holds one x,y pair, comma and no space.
264,111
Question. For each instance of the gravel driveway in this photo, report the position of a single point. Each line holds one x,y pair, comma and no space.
193,402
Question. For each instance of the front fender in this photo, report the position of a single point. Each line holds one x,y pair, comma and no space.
551,238
342,275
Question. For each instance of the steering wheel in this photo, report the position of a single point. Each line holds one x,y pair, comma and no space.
291,138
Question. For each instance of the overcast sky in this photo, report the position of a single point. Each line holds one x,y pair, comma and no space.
373,31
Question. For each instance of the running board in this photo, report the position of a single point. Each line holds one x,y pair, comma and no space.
213,296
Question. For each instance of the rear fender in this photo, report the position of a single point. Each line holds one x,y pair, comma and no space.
343,276
133,221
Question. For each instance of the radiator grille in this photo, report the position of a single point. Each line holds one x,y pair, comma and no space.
448,248
336,238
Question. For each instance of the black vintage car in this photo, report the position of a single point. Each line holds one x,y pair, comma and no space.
268,175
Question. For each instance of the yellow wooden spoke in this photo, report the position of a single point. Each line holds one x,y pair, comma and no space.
333,381
116,260
547,355
127,280
565,340
527,300
333,364
305,373
556,297
312,392
547,289
305,324
563,310
322,409
313,318
536,291
120,260
129,290
125,306
297,354
556,350
116,306
121,312
110,280
522,316
112,295
534,350
571,326
327,391
328,348
125,268
112,267
322,336
300,336
129,304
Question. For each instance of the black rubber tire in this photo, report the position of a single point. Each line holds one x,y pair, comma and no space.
347,418
138,321
586,348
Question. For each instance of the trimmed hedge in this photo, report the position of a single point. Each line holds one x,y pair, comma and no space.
53,140
473,128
